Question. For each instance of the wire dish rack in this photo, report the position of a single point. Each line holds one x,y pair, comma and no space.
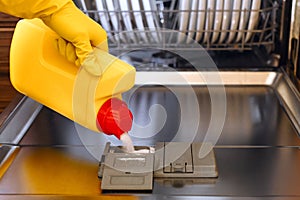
186,24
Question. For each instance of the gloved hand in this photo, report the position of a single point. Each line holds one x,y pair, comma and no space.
82,32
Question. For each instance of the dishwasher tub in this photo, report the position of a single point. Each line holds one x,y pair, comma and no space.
44,156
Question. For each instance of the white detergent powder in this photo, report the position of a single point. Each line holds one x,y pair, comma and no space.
128,145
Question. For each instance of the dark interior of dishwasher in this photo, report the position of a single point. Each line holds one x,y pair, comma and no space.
267,49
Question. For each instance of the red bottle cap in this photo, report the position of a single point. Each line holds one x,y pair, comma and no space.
114,117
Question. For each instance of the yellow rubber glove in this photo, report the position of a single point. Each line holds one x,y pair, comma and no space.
70,23
68,50
84,33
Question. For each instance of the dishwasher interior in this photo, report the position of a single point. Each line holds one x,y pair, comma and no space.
229,86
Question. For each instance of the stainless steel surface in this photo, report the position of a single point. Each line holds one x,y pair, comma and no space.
250,106
112,197
71,171
257,153
12,133
247,172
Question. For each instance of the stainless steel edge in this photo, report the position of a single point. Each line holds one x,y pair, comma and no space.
290,99
207,78
9,110
158,197
6,152
16,125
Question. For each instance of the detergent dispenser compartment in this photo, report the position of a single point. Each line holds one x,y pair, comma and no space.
119,170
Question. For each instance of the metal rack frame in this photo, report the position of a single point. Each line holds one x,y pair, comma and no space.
167,19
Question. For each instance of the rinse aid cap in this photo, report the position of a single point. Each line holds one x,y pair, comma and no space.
114,117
